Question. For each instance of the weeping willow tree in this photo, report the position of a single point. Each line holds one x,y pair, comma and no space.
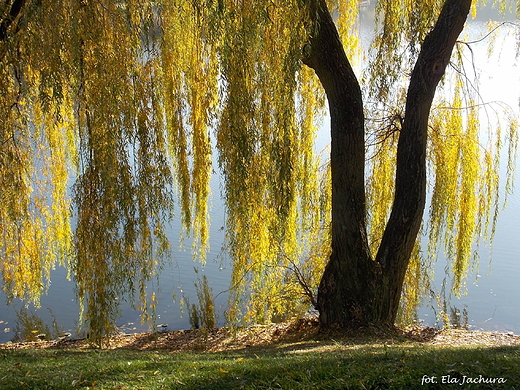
106,114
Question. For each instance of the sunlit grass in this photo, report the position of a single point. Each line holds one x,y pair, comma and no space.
301,365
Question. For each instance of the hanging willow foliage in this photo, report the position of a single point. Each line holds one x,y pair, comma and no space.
119,98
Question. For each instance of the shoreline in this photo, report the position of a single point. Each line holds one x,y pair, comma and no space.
225,338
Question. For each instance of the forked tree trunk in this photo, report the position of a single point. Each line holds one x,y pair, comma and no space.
356,289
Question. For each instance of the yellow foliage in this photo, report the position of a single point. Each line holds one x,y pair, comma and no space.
119,98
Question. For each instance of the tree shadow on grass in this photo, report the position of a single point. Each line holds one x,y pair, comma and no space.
363,367
298,365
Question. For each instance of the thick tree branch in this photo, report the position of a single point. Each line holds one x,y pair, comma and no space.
410,193
325,54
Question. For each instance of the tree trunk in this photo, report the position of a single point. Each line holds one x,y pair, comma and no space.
355,289
410,186
346,290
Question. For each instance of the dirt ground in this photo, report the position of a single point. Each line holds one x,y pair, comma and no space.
221,339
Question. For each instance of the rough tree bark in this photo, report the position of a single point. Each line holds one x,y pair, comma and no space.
346,289
356,289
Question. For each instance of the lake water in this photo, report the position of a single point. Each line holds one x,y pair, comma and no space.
491,303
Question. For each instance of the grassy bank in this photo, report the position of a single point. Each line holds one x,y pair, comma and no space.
315,363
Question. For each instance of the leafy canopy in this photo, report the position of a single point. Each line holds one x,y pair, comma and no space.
124,102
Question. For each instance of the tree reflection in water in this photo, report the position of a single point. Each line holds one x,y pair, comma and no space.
31,327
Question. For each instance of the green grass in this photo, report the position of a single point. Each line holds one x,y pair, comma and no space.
303,365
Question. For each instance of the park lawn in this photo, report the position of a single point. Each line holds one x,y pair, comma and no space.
312,363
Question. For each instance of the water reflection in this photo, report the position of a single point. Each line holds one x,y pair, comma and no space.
31,327
458,319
